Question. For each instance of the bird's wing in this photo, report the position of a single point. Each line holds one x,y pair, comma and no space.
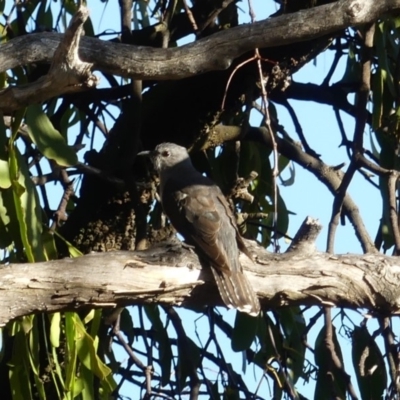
239,240
199,215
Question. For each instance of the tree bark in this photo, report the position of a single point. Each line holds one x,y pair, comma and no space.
170,274
141,62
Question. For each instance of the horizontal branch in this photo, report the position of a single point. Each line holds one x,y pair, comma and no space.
170,274
175,63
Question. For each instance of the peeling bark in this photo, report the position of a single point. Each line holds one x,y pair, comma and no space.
170,274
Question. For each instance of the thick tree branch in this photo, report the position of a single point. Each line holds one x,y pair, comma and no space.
67,72
169,274
334,95
176,63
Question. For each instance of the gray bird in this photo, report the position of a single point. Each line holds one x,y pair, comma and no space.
200,213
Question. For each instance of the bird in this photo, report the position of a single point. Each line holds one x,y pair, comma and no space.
199,211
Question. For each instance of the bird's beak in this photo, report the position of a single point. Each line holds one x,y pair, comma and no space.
146,153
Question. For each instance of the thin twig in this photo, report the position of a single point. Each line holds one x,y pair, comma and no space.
191,18
126,19
149,351
214,14
361,120
391,352
275,171
185,351
231,76
299,128
337,57
311,323
61,212
117,333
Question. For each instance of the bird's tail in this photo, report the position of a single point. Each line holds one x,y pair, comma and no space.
236,291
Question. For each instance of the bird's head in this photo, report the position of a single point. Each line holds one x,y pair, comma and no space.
166,156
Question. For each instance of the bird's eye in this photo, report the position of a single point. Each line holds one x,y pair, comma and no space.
165,153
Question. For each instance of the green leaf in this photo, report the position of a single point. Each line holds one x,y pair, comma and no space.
17,120
40,16
58,369
253,158
27,206
47,139
289,181
66,121
244,331
126,325
5,180
70,6
87,380
283,215
49,245
188,357
87,352
96,322
5,235
55,329
9,227
78,386
283,162
353,67
73,251
34,357
19,368
271,342
293,325
384,62
377,98
72,353
26,323
369,364
3,139
329,380
374,148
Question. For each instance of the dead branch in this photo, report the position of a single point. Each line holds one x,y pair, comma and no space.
67,73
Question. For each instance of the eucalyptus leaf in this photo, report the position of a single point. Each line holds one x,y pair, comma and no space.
47,139
161,335
27,206
244,331
55,329
5,181
369,364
